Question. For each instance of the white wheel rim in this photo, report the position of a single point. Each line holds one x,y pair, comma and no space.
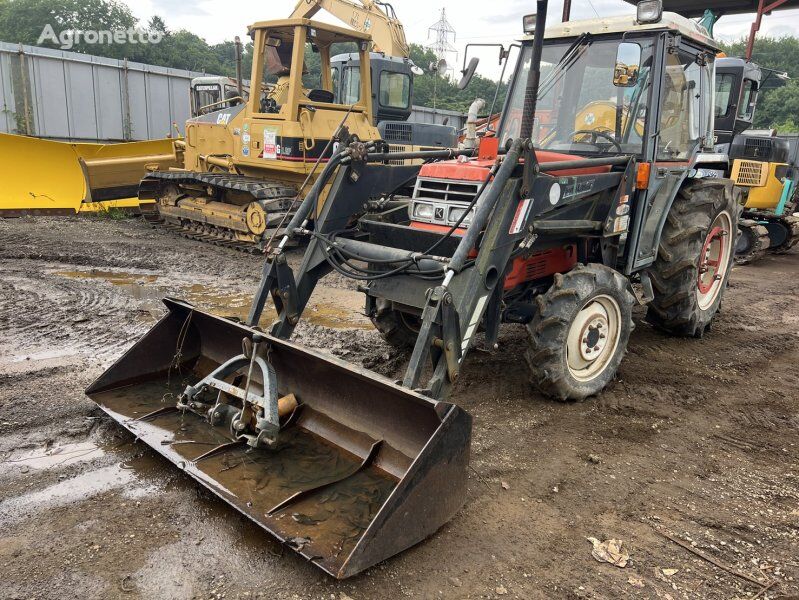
593,338
714,260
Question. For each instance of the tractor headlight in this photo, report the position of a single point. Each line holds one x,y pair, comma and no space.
555,192
456,213
422,210
649,11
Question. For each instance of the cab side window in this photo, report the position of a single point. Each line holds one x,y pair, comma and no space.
680,116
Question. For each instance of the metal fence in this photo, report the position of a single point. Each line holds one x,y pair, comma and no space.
78,97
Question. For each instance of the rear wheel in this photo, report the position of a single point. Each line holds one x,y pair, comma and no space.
398,328
695,258
579,334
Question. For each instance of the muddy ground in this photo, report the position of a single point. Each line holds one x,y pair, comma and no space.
697,440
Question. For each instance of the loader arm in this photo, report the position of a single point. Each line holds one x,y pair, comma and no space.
386,30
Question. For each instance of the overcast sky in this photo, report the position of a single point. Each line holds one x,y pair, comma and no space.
219,20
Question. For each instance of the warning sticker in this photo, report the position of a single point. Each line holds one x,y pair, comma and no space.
270,143
520,217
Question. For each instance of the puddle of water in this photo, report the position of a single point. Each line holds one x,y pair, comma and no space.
113,277
57,456
65,492
335,309
49,355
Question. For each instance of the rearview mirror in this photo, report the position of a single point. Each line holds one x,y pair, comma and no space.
468,73
628,62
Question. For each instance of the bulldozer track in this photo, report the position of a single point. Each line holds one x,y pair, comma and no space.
282,195
257,188
759,242
194,233
792,225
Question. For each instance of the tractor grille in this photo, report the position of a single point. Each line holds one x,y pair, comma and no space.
442,201
749,173
445,190
399,132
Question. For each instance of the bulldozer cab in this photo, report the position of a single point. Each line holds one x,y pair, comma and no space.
292,66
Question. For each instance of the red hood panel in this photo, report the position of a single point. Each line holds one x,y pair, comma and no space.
476,170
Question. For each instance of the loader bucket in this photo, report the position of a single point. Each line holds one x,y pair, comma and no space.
362,468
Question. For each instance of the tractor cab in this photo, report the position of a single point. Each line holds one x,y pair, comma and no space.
611,87
608,85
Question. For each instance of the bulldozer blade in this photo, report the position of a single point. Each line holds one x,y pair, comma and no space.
362,469
48,177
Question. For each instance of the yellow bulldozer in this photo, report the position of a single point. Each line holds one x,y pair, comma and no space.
245,166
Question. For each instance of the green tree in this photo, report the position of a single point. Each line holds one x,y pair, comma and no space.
24,21
431,89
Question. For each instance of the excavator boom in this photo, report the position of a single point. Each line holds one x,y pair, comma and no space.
368,16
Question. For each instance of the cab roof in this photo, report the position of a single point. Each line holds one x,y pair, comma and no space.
628,24
692,8
325,32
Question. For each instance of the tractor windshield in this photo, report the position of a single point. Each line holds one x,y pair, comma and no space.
582,108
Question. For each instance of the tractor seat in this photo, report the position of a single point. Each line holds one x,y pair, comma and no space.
321,96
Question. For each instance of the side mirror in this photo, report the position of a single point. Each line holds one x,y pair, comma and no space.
628,63
468,73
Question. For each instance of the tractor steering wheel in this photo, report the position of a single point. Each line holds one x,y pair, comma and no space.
595,135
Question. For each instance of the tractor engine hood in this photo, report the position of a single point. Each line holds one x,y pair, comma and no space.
477,169
444,189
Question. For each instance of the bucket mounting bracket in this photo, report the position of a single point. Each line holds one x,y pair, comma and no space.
258,421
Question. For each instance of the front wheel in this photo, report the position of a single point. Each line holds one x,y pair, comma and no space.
398,328
579,334
695,257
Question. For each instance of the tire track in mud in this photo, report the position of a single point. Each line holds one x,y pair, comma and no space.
46,315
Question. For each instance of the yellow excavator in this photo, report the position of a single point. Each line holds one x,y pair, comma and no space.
377,19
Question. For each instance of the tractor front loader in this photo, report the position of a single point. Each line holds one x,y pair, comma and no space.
545,230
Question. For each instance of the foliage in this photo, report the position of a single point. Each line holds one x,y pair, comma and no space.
440,92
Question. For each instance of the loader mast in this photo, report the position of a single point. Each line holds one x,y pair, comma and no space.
531,95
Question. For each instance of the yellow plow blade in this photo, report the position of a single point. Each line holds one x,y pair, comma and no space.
47,177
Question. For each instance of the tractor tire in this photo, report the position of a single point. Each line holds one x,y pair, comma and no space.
397,328
695,257
752,242
579,334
